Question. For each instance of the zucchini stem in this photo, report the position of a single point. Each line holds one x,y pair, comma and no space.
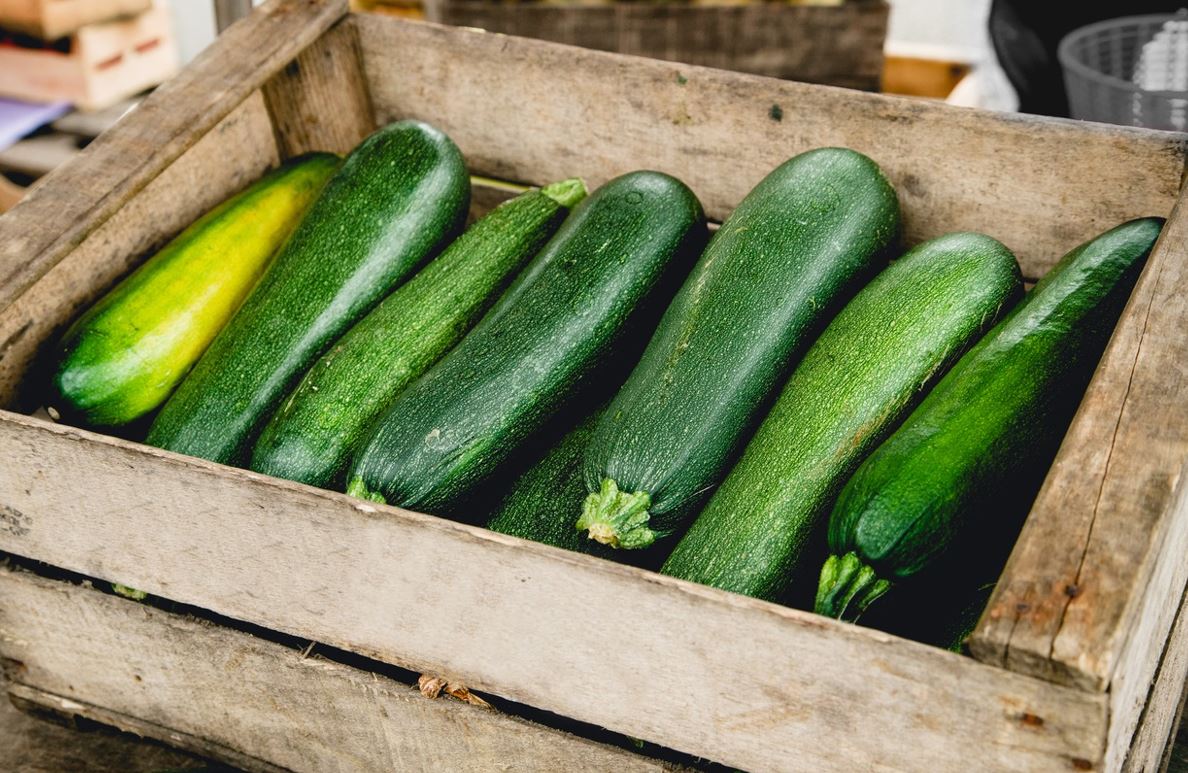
847,587
617,518
567,193
358,489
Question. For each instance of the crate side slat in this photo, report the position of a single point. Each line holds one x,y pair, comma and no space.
236,152
535,111
1146,749
242,699
82,195
1103,547
614,646
319,101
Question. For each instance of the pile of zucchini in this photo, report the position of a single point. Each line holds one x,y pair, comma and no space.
791,409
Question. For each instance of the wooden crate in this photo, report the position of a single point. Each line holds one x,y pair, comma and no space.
1078,662
49,19
839,44
100,65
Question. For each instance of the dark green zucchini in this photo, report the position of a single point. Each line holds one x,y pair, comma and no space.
555,328
536,506
797,246
127,353
398,198
312,435
960,473
861,377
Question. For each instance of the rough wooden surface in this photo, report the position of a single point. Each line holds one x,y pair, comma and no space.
232,155
1039,185
1151,744
641,654
253,703
319,100
81,196
35,744
840,45
1103,549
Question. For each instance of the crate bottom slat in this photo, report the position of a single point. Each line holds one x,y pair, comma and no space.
252,703
31,699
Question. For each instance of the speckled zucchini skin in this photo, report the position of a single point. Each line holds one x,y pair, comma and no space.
398,198
312,435
785,260
873,363
961,472
539,505
555,328
122,358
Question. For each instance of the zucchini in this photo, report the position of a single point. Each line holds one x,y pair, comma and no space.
938,488
556,328
538,506
122,358
789,255
859,379
398,197
312,435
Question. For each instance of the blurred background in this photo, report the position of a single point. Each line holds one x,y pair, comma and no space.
71,68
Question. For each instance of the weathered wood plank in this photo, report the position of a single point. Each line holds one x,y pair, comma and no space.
840,45
1150,639
319,100
33,700
1103,548
233,154
568,633
253,703
1150,746
1039,185
81,196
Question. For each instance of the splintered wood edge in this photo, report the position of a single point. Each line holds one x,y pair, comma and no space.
1084,592
83,194
216,691
500,615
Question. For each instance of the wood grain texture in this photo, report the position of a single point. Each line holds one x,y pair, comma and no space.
232,155
732,679
31,699
1150,639
1103,548
253,703
531,111
1151,744
840,45
81,196
319,100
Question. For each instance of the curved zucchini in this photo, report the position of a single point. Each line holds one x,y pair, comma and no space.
938,487
312,435
860,378
398,198
554,329
122,358
785,260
